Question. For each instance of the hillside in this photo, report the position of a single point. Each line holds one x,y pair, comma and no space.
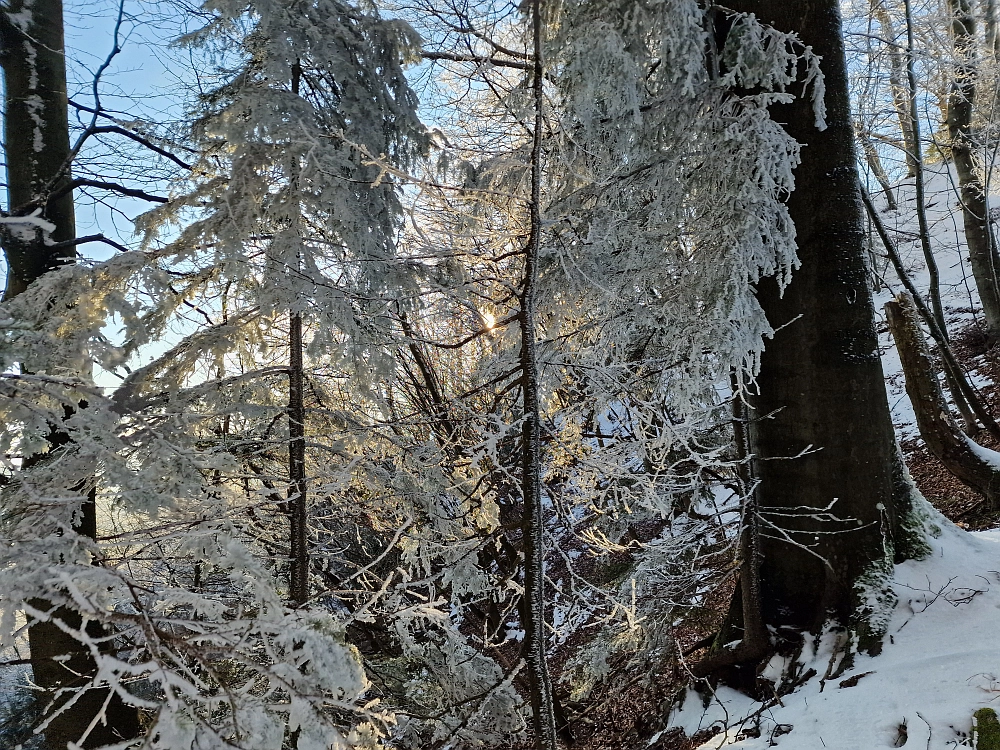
940,662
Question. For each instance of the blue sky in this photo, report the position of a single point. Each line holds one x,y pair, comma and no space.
138,81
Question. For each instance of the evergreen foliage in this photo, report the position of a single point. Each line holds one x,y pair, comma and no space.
315,191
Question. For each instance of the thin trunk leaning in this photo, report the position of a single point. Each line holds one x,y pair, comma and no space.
875,165
960,455
957,380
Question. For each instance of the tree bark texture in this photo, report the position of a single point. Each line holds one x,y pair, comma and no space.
297,486
820,430
940,432
36,127
533,522
975,217
37,152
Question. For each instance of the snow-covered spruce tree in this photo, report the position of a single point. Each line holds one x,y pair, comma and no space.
282,217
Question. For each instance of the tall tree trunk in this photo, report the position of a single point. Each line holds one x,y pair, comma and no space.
297,489
36,130
533,521
992,37
37,152
934,282
902,98
821,431
978,236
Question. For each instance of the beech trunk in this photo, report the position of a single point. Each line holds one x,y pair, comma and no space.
820,429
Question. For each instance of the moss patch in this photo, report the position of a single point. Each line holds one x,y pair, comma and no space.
986,729
875,601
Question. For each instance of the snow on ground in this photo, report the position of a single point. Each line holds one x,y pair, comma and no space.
941,656
940,663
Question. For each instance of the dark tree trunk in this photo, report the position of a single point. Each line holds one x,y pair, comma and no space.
820,429
37,152
978,238
36,128
297,487
298,508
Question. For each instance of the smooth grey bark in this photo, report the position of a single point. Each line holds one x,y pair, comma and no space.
820,431
961,99
37,151
543,721
902,95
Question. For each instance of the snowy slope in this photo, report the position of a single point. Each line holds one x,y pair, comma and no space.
958,290
941,657
939,664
